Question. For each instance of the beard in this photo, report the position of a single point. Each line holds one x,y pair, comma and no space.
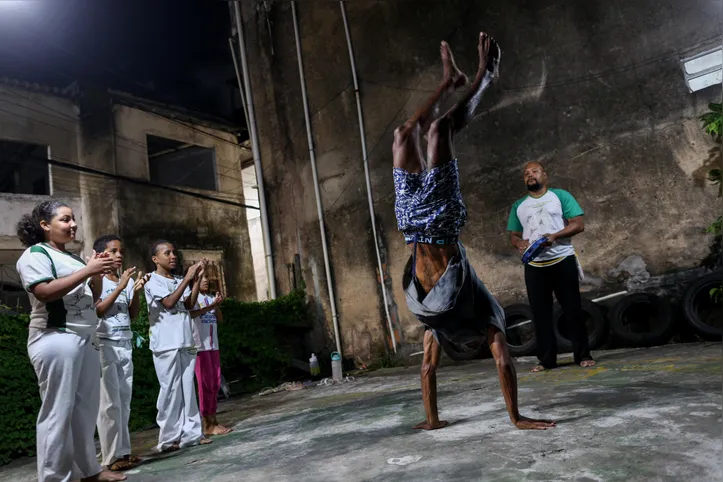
535,186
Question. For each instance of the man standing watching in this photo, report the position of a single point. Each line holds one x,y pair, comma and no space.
555,215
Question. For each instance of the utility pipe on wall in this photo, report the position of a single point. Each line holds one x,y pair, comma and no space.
365,159
312,157
256,153
238,80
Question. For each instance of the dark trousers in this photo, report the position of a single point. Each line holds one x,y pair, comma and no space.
560,278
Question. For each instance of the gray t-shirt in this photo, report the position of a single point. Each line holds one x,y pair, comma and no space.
459,307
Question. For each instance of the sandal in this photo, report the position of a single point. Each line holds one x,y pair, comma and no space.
121,465
171,448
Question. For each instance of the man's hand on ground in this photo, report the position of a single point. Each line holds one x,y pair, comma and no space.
524,423
435,426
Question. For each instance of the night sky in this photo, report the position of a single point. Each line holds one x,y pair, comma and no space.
172,51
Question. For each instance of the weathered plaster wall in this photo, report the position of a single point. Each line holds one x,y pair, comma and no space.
146,214
594,87
44,119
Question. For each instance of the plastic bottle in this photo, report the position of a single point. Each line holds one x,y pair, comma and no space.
336,372
314,366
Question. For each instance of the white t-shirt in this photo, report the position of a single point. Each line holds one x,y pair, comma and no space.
74,312
205,328
546,214
170,329
116,323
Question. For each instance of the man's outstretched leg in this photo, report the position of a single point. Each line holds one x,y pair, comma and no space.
432,352
508,382
407,148
440,148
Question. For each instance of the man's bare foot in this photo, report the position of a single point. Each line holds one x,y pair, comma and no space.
489,55
588,363
538,368
205,441
218,430
456,77
104,476
427,426
525,423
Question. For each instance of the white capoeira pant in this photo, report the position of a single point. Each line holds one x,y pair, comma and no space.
68,370
116,382
178,415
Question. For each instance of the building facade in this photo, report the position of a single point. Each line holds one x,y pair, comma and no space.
127,166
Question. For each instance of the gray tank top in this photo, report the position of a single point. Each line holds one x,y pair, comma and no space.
459,307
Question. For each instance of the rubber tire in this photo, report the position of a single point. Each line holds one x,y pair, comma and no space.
701,287
595,336
515,312
663,313
475,353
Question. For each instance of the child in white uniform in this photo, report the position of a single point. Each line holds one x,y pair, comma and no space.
119,303
174,353
63,290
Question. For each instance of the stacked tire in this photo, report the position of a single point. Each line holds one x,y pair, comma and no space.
642,319
636,319
521,340
701,305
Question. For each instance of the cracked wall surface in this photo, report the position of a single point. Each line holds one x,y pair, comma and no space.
593,88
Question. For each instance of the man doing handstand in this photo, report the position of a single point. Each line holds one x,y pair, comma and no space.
441,287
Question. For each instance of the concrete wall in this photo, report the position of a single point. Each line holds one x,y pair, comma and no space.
146,214
594,87
40,118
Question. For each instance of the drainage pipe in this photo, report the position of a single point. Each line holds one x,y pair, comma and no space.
365,159
312,157
238,80
256,153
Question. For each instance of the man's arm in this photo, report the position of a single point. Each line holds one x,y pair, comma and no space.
508,382
574,226
518,242
514,226
432,351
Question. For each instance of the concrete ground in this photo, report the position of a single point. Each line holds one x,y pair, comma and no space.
646,414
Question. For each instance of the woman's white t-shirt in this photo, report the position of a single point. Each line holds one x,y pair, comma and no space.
74,312
170,329
205,327
115,324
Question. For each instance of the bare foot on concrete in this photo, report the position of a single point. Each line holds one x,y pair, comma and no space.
525,423
588,363
434,426
205,441
456,77
219,430
538,368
